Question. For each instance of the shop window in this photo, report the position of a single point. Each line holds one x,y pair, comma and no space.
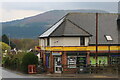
102,60
71,61
82,41
81,61
115,60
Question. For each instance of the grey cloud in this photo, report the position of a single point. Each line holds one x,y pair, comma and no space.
45,6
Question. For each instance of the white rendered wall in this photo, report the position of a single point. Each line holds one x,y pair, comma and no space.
63,41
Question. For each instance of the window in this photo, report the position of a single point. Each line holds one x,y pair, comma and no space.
82,40
71,61
115,59
109,38
81,61
48,42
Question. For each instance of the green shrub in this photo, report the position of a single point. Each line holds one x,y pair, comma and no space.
14,63
29,59
6,62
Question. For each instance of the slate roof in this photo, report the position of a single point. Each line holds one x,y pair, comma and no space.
84,24
51,29
68,28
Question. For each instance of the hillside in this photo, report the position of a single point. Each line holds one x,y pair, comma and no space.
32,27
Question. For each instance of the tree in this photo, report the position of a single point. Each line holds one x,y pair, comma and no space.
13,45
4,46
29,59
6,40
25,44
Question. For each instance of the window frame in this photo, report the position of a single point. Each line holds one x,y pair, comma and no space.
82,41
72,64
108,37
48,42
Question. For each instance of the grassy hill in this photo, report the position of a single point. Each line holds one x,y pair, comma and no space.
32,27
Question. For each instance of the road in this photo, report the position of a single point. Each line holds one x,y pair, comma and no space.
5,73
13,75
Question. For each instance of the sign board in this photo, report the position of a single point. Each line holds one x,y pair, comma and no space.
57,53
37,47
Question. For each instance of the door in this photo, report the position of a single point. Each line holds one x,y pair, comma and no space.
57,64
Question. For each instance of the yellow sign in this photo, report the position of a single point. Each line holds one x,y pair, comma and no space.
87,48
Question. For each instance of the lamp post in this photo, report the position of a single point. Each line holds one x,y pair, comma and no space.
9,38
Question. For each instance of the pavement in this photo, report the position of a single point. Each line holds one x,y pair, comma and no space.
77,75
14,75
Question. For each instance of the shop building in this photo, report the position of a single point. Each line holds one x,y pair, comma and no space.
70,42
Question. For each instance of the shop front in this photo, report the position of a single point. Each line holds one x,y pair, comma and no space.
101,60
115,59
105,59
67,61
77,61
62,60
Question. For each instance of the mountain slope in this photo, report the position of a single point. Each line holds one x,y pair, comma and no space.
33,26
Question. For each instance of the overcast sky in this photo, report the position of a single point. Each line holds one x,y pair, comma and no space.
18,10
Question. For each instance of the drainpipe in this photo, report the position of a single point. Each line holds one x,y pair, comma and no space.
96,54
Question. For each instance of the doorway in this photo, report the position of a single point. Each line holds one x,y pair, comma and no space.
81,64
57,64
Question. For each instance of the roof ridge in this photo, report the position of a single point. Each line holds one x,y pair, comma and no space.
57,27
92,13
61,22
78,26
64,25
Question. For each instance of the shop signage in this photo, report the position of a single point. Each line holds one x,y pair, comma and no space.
57,53
37,48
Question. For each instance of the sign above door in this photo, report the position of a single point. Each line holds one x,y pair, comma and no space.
57,53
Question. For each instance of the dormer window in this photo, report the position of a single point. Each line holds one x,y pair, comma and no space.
82,41
108,37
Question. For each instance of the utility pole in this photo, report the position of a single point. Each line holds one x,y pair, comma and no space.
96,54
